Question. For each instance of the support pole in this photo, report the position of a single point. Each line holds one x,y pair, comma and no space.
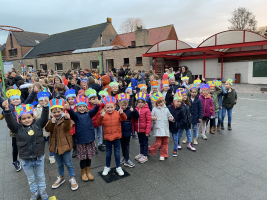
204,66
3,77
221,68
156,66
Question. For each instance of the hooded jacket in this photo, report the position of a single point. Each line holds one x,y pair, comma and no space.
140,81
143,123
106,82
24,89
207,105
179,117
214,97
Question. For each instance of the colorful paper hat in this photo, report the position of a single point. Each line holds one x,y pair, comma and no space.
109,99
43,94
83,80
114,83
181,90
70,93
197,81
165,76
142,86
122,96
192,86
13,93
218,82
56,103
90,93
24,109
154,84
230,81
140,95
157,96
211,83
165,83
81,100
177,96
171,76
103,92
129,88
185,78
204,86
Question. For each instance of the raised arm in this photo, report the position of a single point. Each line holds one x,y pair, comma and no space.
93,112
42,121
12,124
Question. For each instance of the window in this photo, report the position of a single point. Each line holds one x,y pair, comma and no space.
13,52
94,64
126,61
75,65
59,66
139,61
43,66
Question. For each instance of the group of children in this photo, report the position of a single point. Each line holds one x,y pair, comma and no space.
74,123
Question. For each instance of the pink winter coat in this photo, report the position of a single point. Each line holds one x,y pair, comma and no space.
207,104
143,123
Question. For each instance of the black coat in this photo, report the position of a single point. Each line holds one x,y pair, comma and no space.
179,117
188,120
196,109
169,98
75,87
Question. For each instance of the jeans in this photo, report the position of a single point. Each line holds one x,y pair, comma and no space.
219,117
162,143
188,134
125,147
14,149
229,112
175,141
116,144
143,141
195,129
46,139
98,135
64,159
34,170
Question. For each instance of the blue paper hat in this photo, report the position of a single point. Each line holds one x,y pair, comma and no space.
43,94
70,93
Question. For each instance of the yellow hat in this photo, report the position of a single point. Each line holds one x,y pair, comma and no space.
211,83
13,93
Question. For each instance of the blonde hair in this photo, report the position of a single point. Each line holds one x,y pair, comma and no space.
158,102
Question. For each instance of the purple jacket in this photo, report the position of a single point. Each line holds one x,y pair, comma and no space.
207,104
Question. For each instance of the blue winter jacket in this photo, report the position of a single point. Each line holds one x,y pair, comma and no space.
221,95
179,117
126,126
134,83
196,109
84,125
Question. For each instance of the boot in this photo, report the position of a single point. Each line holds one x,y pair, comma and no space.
189,146
218,128
88,173
214,128
229,127
73,153
211,130
184,140
84,176
222,127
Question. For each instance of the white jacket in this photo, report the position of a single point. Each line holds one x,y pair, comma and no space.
37,113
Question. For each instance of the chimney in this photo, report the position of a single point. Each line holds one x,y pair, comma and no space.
141,37
109,20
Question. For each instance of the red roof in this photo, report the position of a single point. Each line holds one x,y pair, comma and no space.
155,35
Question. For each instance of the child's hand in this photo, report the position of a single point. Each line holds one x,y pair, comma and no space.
171,119
53,119
66,106
131,109
200,120
147,135
96,101
5,104
230,90
35,89
46,101
67,116
120,111
172,93
154,118
103,113
134,91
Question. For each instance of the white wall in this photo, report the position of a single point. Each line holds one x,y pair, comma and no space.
232,68
255,80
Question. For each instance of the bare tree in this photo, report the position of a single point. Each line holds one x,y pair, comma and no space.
262,30
131,25
243,19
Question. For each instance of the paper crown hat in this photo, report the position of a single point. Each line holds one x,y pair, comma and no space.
204,86
43,94
165,83
185,78
140,95
103,92
13,93
129,88
24,109
142,86
192,86
230,81
114,83
211,83
84,80
109,99
122,96
165,76
171,76
56,103
90,93
70,93
81,100
218,82
181,90
177,96
197,81
157,96
154,84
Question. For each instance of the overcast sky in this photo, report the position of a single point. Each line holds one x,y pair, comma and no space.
194,20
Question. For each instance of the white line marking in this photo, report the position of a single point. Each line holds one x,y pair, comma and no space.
252,99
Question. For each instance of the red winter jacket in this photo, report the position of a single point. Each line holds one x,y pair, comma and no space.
90,107
143,123
207,105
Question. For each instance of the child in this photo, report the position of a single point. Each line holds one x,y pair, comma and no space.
29,134
208,109
37,113
219,84
229,100
134,82
161,116
84,87
196,110
85,135
70,97
154,86
214,92
164,79
143,89
73,84
111,121
114,88
177,111
126,127
185,80
140,80
60,142
121,86
173,86
167,95
129,90
142,126
59,91
105,80
92,96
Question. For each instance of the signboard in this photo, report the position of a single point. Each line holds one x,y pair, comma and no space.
8,66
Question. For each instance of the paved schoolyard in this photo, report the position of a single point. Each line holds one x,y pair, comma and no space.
229,165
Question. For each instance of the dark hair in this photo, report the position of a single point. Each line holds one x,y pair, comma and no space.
129,74
20,82
70,77
90,80
59,86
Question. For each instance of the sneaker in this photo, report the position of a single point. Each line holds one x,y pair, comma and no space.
174,154
189,146
119,171
60,180
195,141
129,164
73,153
73,184
138,156
122,160
179,147
204,137
143,159
161,158
34,196
185,140
106,171
44,195
96,152
101,148
52,159
17,165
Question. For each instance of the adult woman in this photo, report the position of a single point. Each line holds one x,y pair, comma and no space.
188,73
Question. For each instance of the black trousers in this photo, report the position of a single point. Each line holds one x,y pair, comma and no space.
14,149
74,141
125,147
